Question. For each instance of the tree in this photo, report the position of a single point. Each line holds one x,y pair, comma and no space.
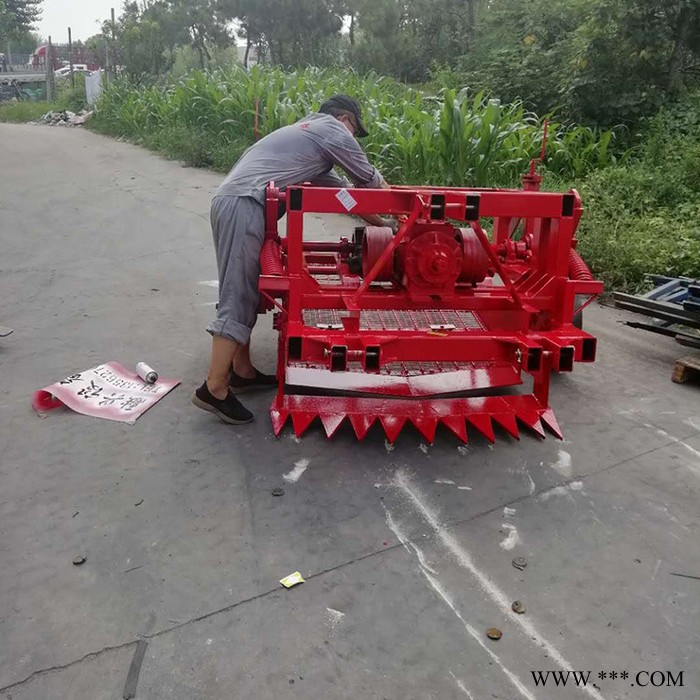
527,51
18,17
635,54
293,32
205,22
407,38
595,61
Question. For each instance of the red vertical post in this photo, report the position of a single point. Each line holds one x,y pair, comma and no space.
295,256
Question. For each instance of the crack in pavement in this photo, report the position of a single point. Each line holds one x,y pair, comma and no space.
447,525
143,200
167,630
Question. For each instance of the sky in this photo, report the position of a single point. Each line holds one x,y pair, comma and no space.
82,16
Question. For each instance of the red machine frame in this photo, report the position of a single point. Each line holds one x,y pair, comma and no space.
367,350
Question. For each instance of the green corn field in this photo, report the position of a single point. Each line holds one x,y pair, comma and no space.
453,138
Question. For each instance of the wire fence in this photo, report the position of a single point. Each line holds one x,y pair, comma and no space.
21,63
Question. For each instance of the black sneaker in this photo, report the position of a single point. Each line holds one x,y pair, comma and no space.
230,409
239,385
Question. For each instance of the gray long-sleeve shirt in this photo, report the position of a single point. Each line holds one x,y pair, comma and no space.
302,152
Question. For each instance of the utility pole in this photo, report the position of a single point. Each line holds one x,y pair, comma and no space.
50,91
70,57
110,51
114,43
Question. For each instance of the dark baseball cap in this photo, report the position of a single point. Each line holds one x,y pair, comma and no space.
345,103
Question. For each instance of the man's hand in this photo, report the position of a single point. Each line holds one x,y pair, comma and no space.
392,223
376,220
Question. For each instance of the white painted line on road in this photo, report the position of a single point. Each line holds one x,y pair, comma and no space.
512,539
334,617
533,488
430,576
449,482
563,464
210,283
693,423
678,441
299,468
561,491
461,686
465,560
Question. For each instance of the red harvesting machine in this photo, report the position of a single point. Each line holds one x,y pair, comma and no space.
439,322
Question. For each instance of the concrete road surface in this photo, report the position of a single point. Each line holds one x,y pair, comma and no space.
407,552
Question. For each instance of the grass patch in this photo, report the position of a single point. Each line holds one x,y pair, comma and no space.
190,146
68,98
20,112
453,138
642,216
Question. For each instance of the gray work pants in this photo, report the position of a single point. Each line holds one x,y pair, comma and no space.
238,226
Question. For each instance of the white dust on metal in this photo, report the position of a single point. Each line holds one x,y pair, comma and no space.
497,596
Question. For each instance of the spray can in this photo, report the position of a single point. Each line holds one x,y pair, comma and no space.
148,374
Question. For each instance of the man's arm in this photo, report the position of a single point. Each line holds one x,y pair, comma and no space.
332,179
342,149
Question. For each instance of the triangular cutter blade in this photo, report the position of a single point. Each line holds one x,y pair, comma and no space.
392,426
549,419
457,425
361,423
278,418
426,426
483,424
301,421
532,420
332,422
508,422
